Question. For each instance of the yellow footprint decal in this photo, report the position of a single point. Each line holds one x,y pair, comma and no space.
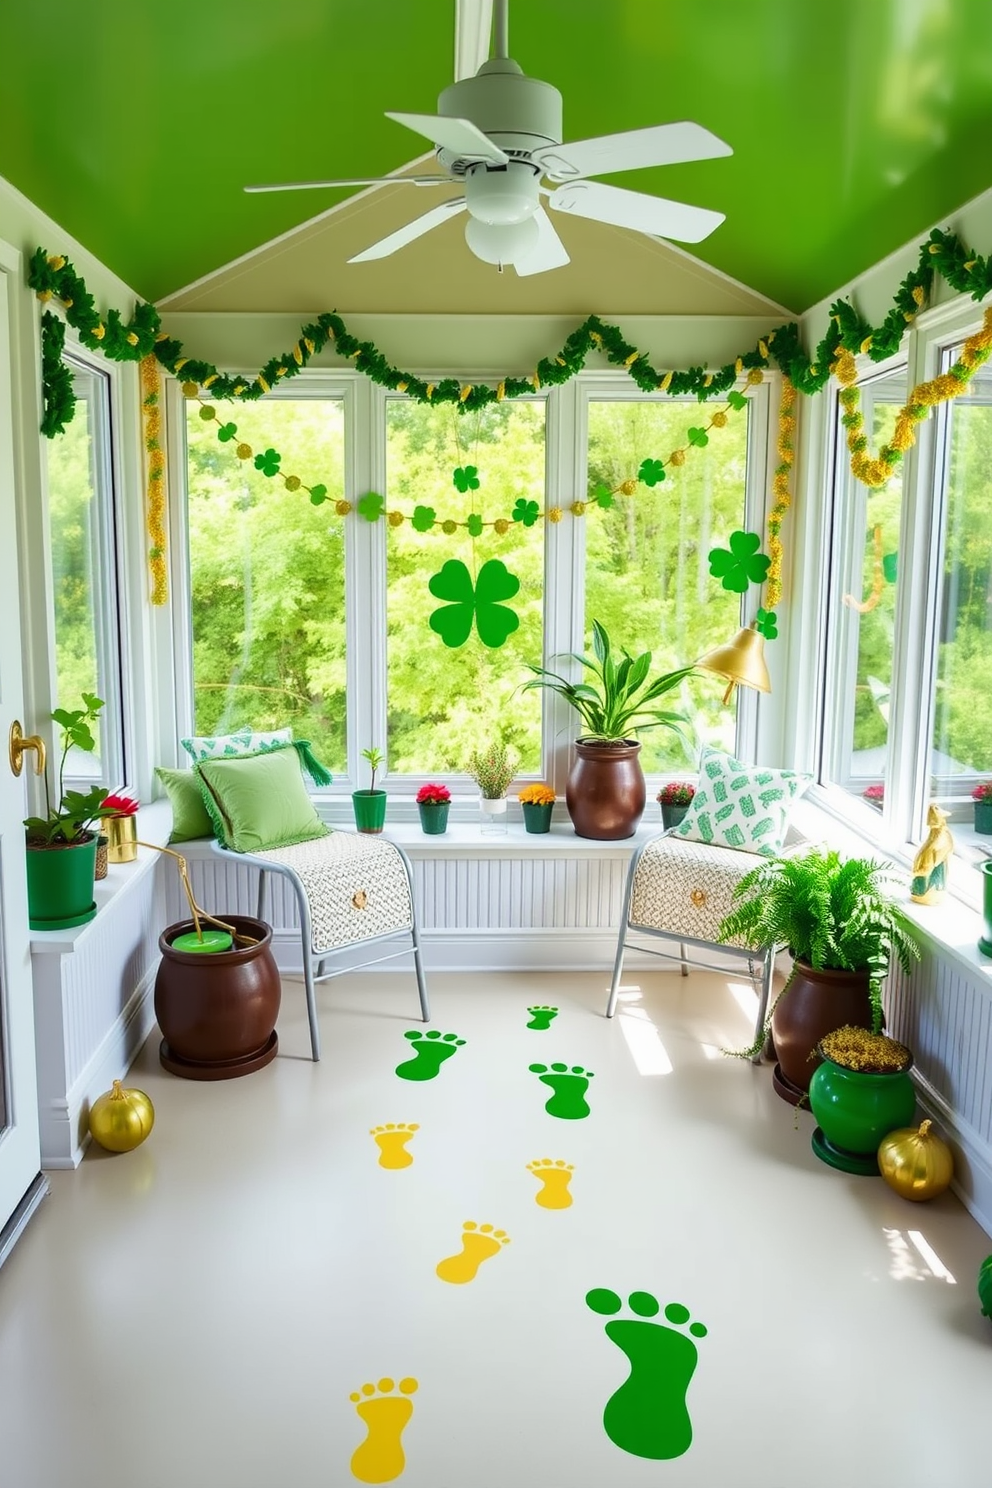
555,1176
391,1140
479,1242
380,1458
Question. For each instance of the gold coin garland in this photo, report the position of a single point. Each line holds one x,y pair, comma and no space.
155,521
781,491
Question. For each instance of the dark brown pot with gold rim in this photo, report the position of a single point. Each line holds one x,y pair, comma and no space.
813,1004
605,792
218,1011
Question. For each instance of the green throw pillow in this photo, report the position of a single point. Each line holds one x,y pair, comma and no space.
189,815
259,801
741,806
227,746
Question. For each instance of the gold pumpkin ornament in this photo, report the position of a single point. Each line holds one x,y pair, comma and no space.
916,1163
121,1119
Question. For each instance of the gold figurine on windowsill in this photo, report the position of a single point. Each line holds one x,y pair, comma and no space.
930,864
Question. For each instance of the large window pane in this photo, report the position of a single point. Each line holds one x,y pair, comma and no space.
647,557
961,744
267,575
84,587
444,702
857,703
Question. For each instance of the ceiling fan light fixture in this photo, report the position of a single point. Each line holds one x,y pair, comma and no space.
508,193
501,243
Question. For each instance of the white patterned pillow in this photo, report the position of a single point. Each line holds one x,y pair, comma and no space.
226,746
741,806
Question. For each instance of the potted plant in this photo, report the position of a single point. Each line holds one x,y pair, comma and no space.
370,805
674,798
537,803
859,1093
432,803
492,770
982,797
874,795
61,847
605,791
842,930
121,810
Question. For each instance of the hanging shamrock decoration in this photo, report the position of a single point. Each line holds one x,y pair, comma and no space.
741,564
525,511
603,497
371,506
475,525
318,494
766,625
698,437
466,478
478,602
651,473
268,463
226,432
423,518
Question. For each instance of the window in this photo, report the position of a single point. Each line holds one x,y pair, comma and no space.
82,536
267,575
863,604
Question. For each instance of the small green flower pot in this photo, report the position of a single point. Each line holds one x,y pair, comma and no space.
983,818
433,817
855,1110
370,809
671,815
60,884
985,944
537,818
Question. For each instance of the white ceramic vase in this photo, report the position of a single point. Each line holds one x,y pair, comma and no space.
493,816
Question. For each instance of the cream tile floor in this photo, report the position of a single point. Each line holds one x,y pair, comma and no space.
198,1313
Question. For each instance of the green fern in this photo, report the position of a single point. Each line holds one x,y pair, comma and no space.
831,914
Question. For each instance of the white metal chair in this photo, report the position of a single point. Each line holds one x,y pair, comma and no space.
352,889
680,891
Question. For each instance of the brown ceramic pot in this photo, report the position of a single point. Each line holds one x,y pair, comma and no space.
605,791
218,1012
813,1004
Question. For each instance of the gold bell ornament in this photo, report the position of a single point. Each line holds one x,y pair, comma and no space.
916,1163
121,1119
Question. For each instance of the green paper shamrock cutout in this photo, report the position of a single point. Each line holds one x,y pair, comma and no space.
652,472
467,478
698,437
478,602
226,432
603,497
268,463
742,564
765,624
890,567
474,525
318,494
423,518
526,512
371,506
736,400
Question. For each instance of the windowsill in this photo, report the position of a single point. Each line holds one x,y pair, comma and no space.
154,823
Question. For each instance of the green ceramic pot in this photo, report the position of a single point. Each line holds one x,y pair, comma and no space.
370,809
433,817
671,815
854,1111
983,818
537,818
60,884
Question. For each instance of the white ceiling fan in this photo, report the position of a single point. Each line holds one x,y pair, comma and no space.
499,133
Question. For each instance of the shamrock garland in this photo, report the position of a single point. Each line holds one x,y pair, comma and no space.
151,417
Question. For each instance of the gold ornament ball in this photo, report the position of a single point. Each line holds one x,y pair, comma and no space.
916,1163
121,1119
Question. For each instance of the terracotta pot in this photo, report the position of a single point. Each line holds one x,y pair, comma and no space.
813,1004
605,792
218,1012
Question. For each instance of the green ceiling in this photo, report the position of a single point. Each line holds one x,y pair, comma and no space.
855,123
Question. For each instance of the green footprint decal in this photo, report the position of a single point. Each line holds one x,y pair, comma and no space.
648,1416
568,1089
542,1017
430,1050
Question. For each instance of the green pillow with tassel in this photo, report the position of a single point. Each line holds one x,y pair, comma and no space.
260,801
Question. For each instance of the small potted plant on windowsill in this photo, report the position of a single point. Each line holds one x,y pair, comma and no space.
61,847
874,795
674,799
982,797
537,803
432,803
492,770
370,805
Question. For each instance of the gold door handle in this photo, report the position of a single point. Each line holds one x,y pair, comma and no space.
18,744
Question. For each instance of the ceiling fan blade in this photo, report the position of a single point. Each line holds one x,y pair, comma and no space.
356,181
663,144
549,252
458,135
647,214
411,231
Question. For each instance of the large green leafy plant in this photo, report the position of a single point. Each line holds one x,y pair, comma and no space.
76,811
831,914
619,701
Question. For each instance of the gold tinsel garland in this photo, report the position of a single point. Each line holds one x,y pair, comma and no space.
151,418
781,493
